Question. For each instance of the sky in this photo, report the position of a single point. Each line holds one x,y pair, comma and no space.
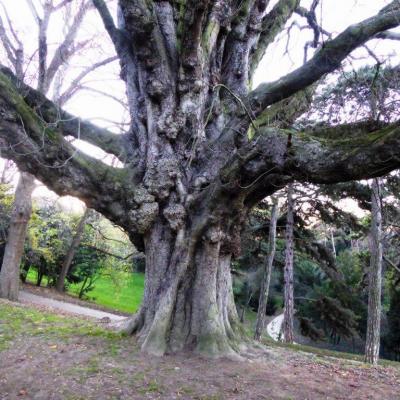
335,15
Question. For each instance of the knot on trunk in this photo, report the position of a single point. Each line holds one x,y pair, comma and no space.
144,216
232,244
160,179
171,125
214,234
175,215
145,210
157,90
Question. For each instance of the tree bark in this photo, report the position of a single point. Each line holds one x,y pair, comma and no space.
262,304
9,275
188,299
288,333
372,343
72,250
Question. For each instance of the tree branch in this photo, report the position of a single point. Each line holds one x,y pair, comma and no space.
388,35
69,92
66,124
66,49
38,148
278,157
112,30
326,60
272,25
392,264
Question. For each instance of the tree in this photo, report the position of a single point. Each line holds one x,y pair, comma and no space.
9,275
288,316
50,71
72,250
263,299
374,278
22,208
202,149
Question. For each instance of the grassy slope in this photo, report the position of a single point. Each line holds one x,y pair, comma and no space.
128,296
18,321
124,295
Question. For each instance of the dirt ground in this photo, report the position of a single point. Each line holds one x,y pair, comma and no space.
57,357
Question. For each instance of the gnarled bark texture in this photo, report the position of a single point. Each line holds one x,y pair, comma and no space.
21,213
200,151
372,343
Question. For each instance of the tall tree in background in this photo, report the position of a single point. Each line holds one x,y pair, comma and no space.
263,299
202,149
76,240
51,70
374,277
22,208
288,315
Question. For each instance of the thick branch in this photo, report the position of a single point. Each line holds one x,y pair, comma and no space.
66,123
278,157
325,60
113,32
370,155
272,25
40,149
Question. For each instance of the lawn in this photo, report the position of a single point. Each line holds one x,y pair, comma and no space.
123,292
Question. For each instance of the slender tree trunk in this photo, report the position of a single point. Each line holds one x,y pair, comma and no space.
288,271
374,278
333,244
245,306
262,305
72,250
9,275
81,291
39,277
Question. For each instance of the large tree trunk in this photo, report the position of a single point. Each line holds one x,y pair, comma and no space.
374,278
9,275
188,300
262,304
72,250
288,333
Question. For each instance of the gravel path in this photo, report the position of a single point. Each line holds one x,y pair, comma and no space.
26,297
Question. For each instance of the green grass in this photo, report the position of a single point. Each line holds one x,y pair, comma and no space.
25,321
251,316
323,353
123,293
